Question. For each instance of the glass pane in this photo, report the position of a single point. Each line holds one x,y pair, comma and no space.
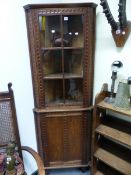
73,90
73,62
50,31
73,31
53,91
52,62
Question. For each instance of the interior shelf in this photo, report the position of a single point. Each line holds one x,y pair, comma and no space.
112,133
60,76
112,160
108,106
59,48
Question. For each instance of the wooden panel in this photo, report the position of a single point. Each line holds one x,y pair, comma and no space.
52,137
74,129
114,134
113,161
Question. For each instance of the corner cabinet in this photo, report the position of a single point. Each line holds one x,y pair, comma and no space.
61,43
111,138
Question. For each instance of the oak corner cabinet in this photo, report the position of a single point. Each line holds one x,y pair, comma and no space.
111,153
61,44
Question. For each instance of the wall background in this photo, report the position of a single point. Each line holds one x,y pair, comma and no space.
15,65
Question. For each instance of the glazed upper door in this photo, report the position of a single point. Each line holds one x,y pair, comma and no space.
61,44
62,58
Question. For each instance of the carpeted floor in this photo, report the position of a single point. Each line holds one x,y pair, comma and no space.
69,172
66,172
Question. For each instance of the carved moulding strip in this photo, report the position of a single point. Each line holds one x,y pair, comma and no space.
42,136
36,61
32,54
88,74
54,11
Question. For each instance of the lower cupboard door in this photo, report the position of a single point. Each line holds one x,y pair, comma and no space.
64,138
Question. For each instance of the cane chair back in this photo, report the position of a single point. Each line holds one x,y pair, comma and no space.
8,121
9,128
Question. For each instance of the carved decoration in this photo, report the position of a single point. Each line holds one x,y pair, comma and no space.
120,29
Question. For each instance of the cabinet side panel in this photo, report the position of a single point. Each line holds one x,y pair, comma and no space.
35,56
89,48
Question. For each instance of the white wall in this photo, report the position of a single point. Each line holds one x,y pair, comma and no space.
107,52
15,65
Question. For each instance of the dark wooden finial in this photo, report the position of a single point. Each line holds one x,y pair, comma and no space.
10,86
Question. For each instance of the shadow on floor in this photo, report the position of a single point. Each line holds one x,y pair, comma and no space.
69,172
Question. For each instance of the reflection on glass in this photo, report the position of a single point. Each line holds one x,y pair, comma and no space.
73,30
73,61
50,31
52,62
53,91
73,89
62,44
69,33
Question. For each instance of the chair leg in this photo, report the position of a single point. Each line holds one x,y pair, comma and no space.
47,172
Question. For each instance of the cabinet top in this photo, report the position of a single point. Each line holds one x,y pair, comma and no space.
58,5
